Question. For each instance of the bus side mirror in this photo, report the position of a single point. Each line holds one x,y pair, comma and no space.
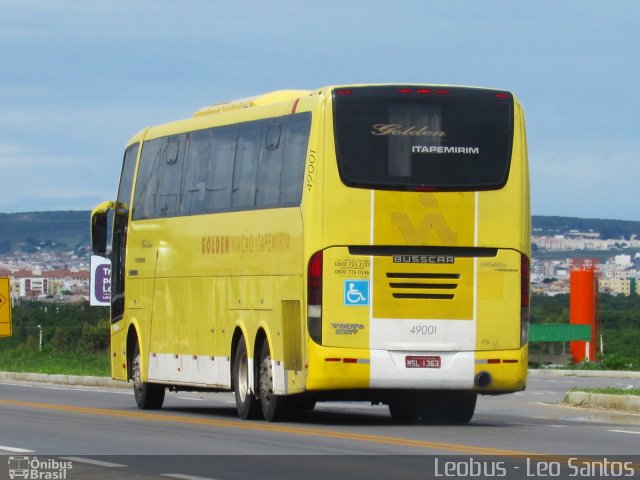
99,234
99,228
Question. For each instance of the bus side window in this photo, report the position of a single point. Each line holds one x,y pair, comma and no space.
296,140
269,168
273,137
197,162
220,168
243,194
170,183
146,191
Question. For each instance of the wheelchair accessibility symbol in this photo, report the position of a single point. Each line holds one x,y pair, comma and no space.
356,292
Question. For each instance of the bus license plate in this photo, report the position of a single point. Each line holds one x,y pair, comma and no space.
412,361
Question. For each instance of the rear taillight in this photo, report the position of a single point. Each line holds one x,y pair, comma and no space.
314,297
524,300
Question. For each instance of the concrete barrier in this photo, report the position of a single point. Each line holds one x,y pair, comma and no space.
627,403
550,372
63,379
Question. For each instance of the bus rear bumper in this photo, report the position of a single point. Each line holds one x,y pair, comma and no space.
493,372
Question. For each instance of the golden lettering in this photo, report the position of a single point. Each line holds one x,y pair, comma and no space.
395,129
246,244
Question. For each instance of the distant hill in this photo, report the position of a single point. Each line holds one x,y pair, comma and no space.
29,232
69,230
608,229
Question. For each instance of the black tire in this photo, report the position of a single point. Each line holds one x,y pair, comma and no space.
305,402
436,408
149,396
275,408
246,402
405,411
461,408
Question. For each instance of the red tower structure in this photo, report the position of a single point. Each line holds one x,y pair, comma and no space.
582,306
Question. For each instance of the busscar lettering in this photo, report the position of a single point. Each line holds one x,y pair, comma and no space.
433,259
395,129
435,149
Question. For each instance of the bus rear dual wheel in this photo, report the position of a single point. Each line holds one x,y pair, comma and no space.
439,407
267,404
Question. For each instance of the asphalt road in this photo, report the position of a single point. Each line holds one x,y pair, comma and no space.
196,435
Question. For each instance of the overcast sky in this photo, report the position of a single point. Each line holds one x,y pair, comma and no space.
79,77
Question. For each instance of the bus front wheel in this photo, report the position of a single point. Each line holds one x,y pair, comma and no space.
149,396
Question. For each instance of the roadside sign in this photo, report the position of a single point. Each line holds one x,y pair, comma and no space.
5,308
100,281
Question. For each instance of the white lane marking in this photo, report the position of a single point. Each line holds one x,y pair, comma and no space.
192,399
185,477
91,461
15,449
625,431
539,424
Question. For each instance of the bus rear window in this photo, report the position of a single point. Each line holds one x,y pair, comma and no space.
393,138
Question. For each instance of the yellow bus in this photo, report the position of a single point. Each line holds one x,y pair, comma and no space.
363,242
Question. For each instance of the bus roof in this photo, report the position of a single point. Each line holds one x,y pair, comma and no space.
235,107
264,99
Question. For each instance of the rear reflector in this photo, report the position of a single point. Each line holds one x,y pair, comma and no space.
314,297
525,311
524,282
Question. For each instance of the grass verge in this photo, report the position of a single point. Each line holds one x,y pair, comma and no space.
608,390
71,362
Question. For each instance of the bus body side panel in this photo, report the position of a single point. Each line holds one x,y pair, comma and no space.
193,281
139,286
216,273
504,219
137,316
118,350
